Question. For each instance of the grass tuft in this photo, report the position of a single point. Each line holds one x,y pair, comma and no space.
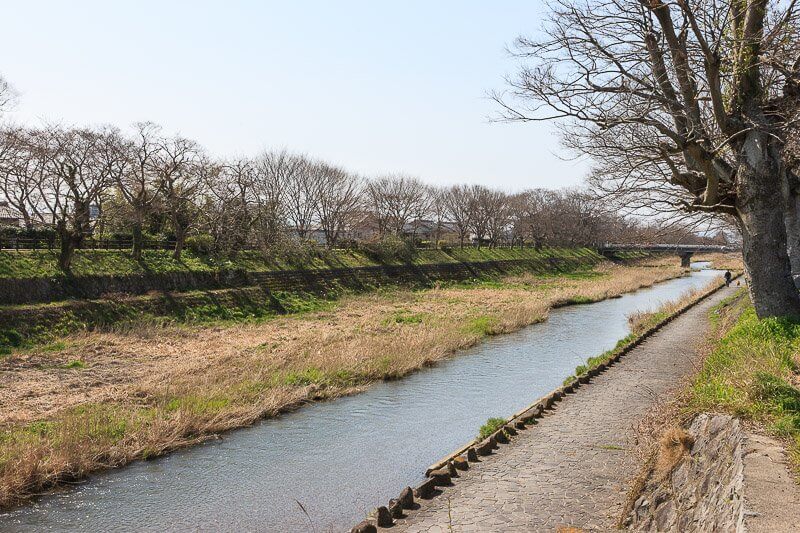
491,425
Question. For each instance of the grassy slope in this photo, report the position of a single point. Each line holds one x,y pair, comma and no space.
50,321
753,373
43,263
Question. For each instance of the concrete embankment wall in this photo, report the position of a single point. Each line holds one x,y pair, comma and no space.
42,290
703,492
104,300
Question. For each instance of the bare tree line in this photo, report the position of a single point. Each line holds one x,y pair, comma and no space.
81,181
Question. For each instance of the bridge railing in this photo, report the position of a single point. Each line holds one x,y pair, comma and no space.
667,247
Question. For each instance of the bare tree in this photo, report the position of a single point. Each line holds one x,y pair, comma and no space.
338,200
457,205
498,208
273,172
180,170
480,204
533,215
23,158
438,210
690,103
80,165
396,199
139,184
296,178
229,207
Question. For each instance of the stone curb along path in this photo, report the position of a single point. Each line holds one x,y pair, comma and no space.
482,500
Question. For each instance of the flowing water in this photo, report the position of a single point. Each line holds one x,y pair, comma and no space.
337,460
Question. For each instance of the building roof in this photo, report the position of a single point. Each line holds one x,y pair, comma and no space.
8,212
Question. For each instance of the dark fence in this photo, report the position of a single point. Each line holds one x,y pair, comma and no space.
26,243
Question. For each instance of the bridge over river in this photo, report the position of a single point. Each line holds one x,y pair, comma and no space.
684,251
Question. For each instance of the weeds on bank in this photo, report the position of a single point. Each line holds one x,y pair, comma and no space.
491,425
639,323
753,373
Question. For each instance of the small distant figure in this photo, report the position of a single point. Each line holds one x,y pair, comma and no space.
728,277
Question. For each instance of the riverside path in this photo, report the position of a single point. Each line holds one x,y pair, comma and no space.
574,467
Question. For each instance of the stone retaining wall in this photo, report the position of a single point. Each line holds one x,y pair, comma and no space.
41,290
704,490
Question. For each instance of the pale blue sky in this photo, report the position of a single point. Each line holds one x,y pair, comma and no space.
376,86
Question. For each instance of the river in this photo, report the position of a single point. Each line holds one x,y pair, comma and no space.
341,458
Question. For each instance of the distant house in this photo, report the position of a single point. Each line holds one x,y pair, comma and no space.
430,230
316,235
9,216
363,227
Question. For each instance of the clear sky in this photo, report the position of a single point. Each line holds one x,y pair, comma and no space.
376,86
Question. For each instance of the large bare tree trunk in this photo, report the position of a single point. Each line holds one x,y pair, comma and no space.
792,221
180,240
69,242
760,202
138,237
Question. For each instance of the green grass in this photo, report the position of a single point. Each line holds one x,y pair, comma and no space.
752,373
198,405
578,300
77,363
594,362
481,325
491,425
44,263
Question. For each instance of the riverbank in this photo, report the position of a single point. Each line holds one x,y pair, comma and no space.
26,264
750,375
31,277
102,399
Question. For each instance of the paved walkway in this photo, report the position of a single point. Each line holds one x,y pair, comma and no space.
572,468
771,495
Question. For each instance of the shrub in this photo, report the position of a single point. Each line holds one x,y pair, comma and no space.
296,253
390,248
491,425
201,245
10,338
44,236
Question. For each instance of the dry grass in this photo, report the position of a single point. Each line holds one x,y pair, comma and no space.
732,261
641,321
140,393
674,444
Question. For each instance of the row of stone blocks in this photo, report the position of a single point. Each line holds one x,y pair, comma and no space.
442,476
384,516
